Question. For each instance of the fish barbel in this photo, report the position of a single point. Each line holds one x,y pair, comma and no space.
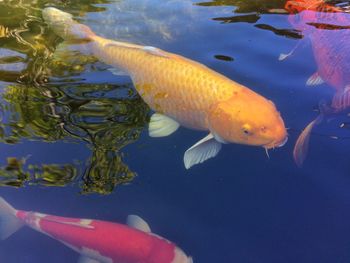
183,92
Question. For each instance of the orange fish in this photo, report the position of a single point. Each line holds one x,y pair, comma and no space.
184,92
327,27
296,6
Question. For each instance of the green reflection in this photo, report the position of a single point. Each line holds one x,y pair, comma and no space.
46,100
107,117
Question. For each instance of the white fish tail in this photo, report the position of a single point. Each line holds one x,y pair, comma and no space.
9,223
62,24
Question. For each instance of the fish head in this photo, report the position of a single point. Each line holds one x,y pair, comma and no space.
181,257
247,118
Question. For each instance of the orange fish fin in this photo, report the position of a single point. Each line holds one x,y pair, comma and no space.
341,99
314,80
302,145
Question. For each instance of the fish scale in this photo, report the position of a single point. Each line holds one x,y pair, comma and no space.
165,74
183,92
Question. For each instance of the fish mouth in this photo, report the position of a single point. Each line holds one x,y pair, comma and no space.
276,144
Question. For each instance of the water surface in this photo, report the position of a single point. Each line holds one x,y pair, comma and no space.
74,138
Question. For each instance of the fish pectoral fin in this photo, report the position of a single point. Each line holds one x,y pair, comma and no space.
84,259
302,145
314,80
155,51
203,150
138,223
161,125
341,99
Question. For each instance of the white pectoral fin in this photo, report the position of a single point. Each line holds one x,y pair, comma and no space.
203,150
84,259
314,80
138,223
161,125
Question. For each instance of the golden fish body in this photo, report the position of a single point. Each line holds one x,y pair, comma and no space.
184,92
170,84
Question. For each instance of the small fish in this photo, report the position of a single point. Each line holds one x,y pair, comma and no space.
327,28
96,241
183,92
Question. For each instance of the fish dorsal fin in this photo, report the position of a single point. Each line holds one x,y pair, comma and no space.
302,145
155,51
161,125
149,49
341,99
84,259
84,223
118,71
138,223
314,80
122,44
203,150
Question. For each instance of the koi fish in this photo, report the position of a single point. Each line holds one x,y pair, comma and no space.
183,92
327,28
96,241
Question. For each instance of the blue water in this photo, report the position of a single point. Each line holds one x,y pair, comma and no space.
240,206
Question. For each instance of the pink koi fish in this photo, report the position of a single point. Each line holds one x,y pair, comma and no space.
96,241
327,27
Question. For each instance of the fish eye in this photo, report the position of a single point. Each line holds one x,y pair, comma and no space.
246,128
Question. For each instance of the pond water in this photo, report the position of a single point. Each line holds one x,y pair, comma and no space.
74,139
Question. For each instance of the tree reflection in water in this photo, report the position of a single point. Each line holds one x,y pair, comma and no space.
37,104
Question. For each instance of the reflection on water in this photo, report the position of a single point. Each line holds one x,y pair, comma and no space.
39,106
105,116
45,97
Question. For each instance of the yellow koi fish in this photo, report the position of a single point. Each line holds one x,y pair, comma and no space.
184,92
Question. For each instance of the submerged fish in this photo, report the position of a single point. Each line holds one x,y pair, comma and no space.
96,241
327,27
184,92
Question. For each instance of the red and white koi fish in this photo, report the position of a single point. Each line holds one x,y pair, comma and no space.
96,241
327,27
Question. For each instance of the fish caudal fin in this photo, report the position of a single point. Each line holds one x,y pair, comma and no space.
62,24
9,223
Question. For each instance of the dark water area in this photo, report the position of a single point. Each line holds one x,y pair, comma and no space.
74,139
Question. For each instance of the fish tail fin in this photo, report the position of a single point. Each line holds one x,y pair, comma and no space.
9,223
62,24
